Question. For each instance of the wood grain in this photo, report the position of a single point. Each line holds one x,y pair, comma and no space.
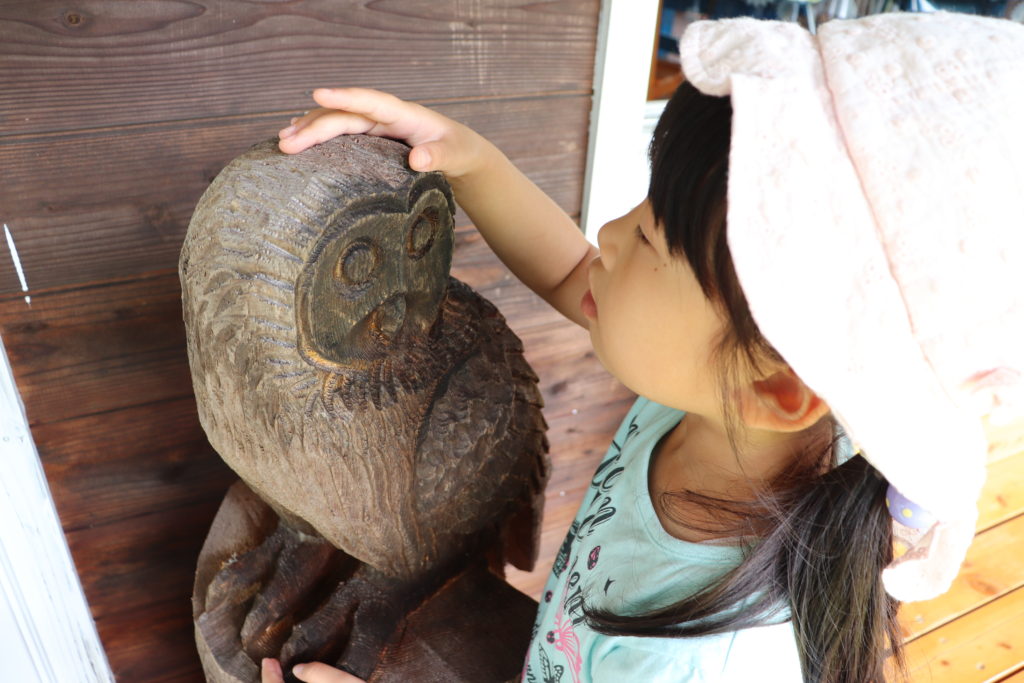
155,457
143,558
101,63
994,567
1016,677
1005,440
95,205
982,645
1002,498
152,644
97,349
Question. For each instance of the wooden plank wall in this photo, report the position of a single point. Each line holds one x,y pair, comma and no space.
114,116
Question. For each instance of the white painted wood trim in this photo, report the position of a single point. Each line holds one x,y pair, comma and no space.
616,175
47,631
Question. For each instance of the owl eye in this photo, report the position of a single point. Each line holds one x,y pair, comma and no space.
357,264
424,231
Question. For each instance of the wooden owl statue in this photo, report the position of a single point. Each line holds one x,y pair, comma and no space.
380,414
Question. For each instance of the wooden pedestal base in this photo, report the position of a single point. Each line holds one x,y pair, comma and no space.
474,628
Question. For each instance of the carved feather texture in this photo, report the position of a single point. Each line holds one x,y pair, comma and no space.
409,451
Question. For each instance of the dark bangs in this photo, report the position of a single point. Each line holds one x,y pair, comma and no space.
689,157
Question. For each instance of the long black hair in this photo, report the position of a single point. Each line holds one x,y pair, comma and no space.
823,533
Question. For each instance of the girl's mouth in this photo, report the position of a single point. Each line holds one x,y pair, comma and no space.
588,305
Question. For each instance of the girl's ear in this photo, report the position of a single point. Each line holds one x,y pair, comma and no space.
781,402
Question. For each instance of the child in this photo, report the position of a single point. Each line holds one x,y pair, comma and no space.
871,178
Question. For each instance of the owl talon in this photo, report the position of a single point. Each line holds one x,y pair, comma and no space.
302,564
373,625
351,629
255,598
240,577
321,636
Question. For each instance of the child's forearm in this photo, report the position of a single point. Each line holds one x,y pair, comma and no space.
527,230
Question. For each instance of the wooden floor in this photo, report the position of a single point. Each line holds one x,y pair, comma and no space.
975,632
971,634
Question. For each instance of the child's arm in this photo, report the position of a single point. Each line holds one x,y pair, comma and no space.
531,235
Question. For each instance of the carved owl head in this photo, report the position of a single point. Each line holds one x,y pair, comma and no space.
319,277
374,281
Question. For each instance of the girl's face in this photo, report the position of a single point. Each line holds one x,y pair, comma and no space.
649,321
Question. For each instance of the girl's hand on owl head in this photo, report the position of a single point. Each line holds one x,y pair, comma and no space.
438,143
314,672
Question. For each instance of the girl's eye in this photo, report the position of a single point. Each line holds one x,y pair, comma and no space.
641,236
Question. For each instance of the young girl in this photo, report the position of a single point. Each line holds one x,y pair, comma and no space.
733,532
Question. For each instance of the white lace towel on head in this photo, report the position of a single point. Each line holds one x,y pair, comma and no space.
880,164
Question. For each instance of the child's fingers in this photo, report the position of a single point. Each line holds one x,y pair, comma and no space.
374,104
428,157
299,122
317,672
270,671
405,120
439,144
321,126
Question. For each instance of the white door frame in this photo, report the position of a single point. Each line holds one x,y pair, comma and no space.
45,625
616,176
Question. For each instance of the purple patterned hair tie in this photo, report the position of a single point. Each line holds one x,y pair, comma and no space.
907,512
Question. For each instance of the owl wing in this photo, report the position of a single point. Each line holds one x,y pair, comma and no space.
482,462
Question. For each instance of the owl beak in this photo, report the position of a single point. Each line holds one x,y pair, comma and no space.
387,319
